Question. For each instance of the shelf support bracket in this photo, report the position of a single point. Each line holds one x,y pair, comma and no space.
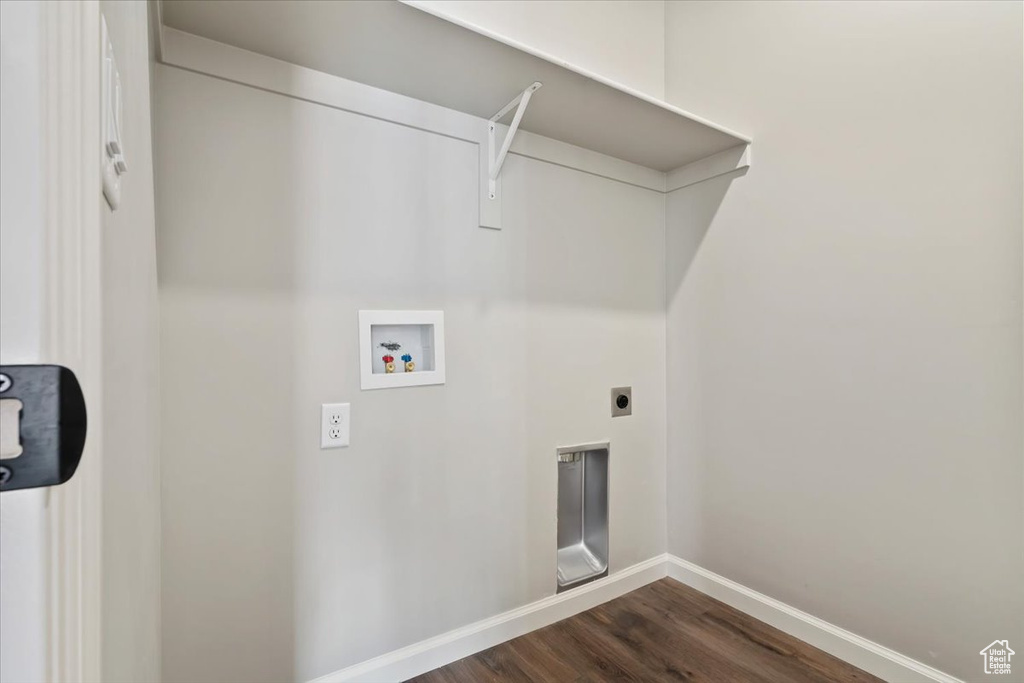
497,158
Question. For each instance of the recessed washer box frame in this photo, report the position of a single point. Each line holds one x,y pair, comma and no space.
426,332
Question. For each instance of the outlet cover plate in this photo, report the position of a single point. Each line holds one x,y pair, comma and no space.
334,424
620,407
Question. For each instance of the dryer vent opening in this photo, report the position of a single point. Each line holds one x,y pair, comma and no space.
582,514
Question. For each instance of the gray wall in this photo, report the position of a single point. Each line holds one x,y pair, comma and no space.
131,450
280,219
844,323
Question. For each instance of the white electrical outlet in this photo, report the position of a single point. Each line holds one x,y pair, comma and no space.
334,422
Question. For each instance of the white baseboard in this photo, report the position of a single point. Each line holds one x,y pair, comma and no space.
446,648
861,652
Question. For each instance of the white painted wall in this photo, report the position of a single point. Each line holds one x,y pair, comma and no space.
131,469
844,323
24,523
278,220
623,40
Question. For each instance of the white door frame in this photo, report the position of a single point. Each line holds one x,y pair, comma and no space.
73,322
69,328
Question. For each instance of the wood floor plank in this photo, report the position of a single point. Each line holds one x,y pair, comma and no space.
666,651
675,599
769,649
664,631
548,665
588,654
501,664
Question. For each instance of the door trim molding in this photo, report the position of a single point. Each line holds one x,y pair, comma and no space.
72,323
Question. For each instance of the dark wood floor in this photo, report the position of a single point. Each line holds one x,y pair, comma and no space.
662,632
